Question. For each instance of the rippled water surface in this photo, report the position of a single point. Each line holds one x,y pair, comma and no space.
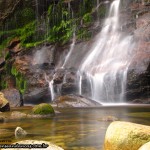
76,128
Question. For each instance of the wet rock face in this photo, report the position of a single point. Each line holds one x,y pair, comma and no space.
65,81
34,64
59,76
138,86
138,78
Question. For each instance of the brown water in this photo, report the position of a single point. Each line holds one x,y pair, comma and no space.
76,128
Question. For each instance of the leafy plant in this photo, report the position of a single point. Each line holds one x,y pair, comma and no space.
21,83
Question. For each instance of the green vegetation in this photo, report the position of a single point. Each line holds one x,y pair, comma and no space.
56,25
43,109
21,83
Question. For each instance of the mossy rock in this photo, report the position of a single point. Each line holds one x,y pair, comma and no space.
43,109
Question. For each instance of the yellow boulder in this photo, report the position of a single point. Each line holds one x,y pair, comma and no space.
4,104
126,136
145,146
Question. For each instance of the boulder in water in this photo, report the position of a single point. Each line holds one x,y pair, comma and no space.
20,133
75,101
43,109
126,136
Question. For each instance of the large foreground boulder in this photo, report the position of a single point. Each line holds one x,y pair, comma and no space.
4,104
33,145
145,146
126,136
75,101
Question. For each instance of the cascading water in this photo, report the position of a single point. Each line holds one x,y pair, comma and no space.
106,64
70,50
51,87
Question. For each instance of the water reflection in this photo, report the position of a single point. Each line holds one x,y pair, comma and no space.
75,129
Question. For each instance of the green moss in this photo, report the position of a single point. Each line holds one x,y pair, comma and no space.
21,83
43,109
56,26
4,84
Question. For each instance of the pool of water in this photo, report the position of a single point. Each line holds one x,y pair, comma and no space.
77,128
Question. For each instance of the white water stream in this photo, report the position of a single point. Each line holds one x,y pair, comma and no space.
106,64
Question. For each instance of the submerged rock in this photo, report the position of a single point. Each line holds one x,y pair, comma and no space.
75,101
126,136
43,109
4,104
34,143
16,115
20,133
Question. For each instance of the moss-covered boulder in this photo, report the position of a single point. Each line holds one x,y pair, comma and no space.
43,109
4,104
126,136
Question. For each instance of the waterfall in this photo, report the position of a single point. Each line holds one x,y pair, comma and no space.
37,10
70,50
51,87
106,64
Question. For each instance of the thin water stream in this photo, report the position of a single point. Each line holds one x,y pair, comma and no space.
77,128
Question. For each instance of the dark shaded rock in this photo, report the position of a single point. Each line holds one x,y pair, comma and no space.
70,77
59,76
4,104
69,88
14,97
37,96
13,43
75,101
138,86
